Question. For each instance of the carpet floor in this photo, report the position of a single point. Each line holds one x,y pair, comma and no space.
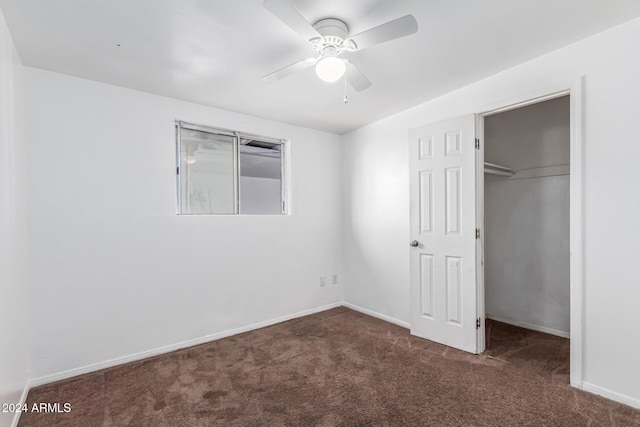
337,368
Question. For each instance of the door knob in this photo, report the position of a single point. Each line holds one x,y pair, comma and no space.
414,243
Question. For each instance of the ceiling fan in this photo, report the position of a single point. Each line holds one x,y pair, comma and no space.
330,38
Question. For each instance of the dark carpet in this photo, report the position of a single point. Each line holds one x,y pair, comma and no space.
337,368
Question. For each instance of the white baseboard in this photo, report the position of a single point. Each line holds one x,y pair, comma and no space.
609,394
36,382
23,400
375,314
531,326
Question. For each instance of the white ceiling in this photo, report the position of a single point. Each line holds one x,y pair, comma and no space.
214,52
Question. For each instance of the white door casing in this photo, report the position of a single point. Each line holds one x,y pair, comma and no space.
443,223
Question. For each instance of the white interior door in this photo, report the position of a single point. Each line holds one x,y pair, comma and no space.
443,229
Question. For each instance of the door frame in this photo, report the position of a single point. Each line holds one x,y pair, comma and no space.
575,90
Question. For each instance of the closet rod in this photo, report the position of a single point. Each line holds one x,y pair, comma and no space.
497,172
494,166
497,169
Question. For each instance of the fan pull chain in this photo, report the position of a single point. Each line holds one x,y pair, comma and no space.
345,99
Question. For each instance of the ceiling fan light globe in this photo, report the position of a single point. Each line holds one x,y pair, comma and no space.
330,69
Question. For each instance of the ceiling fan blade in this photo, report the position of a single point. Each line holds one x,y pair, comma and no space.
355,77
290,69
382,33
283,10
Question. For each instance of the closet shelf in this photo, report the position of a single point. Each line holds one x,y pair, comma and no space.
539,172
494,169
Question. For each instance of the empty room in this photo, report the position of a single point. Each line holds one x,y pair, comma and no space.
300,213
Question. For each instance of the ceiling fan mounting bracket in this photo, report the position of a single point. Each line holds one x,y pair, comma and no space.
334,34
332,27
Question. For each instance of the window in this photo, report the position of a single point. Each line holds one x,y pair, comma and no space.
226,172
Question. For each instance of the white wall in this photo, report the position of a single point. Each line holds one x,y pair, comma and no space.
115,271
526,246
529,137
376,197
14,319
526,255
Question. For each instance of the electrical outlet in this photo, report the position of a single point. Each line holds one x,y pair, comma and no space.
334,279
323,280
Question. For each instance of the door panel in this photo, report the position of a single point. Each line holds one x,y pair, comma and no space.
426,285
443,221
426,202
452,195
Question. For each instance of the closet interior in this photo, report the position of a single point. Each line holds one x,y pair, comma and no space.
526,216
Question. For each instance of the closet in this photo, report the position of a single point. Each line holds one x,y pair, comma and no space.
526,216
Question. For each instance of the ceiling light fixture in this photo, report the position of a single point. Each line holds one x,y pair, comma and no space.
330,38
330,68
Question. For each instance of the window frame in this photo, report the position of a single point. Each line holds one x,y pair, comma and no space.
237,136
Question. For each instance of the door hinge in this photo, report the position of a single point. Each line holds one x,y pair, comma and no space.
477,233
178,170
478,323
477,143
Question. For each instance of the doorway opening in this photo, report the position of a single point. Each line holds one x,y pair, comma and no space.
527,200
526,220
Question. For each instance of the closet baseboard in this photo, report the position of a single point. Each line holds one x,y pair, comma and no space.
531,326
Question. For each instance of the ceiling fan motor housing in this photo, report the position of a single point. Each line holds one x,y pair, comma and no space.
334,40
